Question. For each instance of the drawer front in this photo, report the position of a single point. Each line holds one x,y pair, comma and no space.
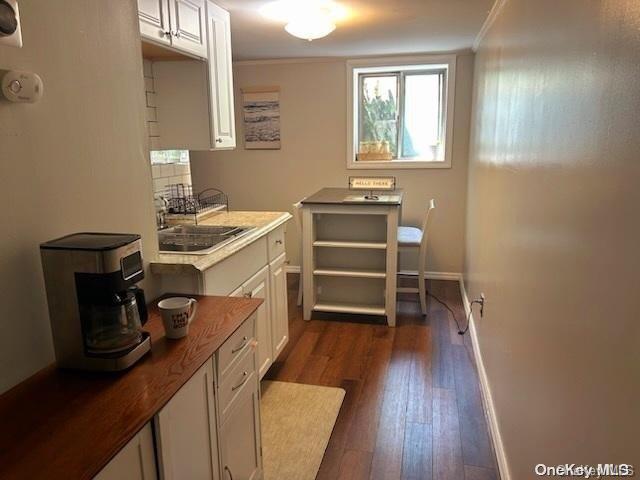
237,380
275,242
226,276
237,344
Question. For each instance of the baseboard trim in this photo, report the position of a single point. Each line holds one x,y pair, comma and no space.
409,273
292,269
433,275
487,398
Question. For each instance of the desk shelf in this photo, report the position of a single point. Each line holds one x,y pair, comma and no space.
350,258
349,272
350,244
358,308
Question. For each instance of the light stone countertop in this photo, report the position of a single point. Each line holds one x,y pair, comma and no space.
177,263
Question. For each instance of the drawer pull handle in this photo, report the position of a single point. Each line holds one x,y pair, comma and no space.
245,376
278,242
241,346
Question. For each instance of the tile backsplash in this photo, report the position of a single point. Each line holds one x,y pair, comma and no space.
168,167
169,174
153,130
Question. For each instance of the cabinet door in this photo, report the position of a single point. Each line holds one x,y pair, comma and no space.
279,311
223,130
189,26
240,444
186,433
154,20
136,461
258,287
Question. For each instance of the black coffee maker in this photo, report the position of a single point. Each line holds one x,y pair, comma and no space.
96,309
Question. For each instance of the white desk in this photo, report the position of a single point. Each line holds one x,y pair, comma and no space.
350,253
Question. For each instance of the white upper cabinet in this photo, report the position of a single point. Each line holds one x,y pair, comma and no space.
180,24
194,96
223,132
188,21
154,20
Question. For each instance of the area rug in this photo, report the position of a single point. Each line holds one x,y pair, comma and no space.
297,421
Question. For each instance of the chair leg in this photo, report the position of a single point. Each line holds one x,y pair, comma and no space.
300,289
422,291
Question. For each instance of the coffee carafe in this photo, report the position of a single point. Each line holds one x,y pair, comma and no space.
114,324
96,309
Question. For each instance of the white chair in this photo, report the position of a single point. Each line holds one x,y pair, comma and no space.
413,237
297,216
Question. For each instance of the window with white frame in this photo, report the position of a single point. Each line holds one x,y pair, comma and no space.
401,112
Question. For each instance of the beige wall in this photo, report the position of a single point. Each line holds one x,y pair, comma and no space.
313,155
553,229
75,161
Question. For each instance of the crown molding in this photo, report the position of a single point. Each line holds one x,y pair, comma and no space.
285,61
493,14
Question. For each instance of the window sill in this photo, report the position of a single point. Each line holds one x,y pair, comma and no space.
395,164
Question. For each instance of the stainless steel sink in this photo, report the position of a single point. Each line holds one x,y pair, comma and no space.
198,239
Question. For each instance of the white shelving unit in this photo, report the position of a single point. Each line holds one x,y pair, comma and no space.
362,278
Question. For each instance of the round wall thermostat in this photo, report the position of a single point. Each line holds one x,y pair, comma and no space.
8,19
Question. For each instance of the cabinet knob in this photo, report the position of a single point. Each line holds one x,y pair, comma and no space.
176,34
218,140
166,33
247,295
278,242
228,470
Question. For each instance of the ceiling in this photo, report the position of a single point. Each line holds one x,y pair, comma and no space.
374,27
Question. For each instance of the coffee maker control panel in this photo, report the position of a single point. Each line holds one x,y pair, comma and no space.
131,265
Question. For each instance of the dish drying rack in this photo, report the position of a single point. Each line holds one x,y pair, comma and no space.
180,200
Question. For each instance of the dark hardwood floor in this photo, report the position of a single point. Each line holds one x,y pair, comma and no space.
413,409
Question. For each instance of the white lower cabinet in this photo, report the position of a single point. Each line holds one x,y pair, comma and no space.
210,429
186,435
136,461
256,271
239,410
258,287
240,434
279,310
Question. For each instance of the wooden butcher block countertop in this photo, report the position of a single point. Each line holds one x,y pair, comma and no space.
68,424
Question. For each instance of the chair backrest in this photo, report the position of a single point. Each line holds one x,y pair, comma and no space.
425,227
297,216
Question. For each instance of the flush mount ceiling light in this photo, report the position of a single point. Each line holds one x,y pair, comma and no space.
306,19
